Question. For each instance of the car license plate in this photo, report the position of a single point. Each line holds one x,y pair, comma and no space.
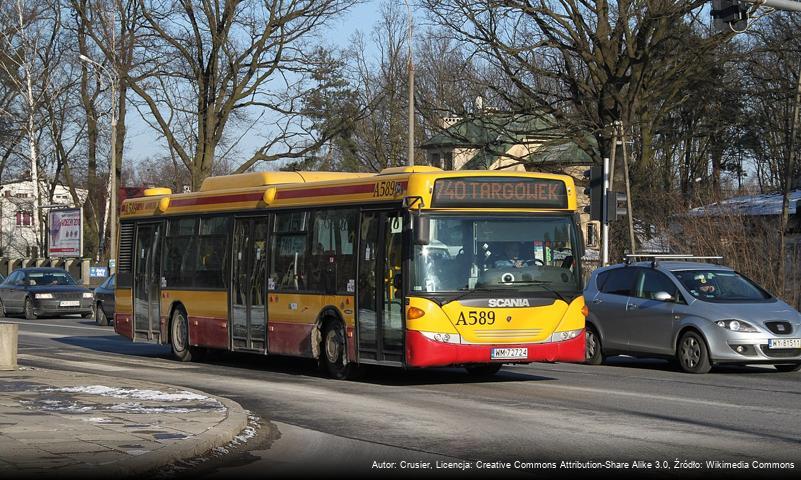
784,343
69,303
508,353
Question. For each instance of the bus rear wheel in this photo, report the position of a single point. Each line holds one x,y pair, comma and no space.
333,357
483,370
179,337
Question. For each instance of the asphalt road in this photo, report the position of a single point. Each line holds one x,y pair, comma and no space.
626,411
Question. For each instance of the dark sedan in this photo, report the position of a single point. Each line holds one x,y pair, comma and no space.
104,301
36,292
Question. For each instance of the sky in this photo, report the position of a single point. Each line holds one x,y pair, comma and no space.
141,143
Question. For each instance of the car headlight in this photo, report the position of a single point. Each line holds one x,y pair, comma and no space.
736,326
88,295
43,295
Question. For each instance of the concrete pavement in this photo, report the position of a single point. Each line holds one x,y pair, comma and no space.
57,423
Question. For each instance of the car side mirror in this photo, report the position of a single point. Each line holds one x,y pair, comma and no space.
664,297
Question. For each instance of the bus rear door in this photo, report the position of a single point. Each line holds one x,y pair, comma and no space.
147,282
248,319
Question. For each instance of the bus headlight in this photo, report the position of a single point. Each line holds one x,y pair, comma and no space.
443,337
564,336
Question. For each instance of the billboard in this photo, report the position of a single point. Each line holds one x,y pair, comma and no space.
65,233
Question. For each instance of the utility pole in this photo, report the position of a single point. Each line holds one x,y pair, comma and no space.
410,159
605,216
621,135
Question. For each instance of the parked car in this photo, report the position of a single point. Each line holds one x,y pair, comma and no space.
36,292
104,301
699,314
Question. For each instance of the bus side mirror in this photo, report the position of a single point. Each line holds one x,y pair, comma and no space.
422,230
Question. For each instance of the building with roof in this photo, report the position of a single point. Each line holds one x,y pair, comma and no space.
17,235
761,205
497,141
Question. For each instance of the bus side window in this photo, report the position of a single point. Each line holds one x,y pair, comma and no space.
331,257
288,244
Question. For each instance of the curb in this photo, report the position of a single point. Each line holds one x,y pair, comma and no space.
217,436
236,420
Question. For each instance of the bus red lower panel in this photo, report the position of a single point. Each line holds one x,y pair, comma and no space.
123,325
422,352
290,338
209,332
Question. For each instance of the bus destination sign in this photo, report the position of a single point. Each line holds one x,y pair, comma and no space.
510,192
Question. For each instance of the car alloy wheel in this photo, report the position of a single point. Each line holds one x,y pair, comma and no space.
693,354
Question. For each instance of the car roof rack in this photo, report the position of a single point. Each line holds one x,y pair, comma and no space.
656,257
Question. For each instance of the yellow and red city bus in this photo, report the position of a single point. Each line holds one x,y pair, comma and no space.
411,267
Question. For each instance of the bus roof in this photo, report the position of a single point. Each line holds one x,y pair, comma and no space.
460,189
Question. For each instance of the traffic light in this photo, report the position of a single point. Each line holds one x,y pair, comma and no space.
616,206
729,15
595,190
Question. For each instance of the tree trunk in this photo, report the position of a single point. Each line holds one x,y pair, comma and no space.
789,169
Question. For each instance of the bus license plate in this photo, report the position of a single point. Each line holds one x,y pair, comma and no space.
784,343
508,353
69,303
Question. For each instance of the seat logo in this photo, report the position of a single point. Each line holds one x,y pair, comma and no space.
508,302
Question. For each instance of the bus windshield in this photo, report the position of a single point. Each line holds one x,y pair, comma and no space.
531,253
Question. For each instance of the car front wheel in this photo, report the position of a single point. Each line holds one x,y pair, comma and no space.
100,316
593,351
29,313
692,354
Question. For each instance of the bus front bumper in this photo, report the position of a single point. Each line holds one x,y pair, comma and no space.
423,352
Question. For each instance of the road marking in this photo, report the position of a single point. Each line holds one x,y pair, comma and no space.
70,363
37,324
114,357
670,399
42,334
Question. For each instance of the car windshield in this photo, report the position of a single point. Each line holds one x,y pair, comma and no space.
48,278
532,253
720,286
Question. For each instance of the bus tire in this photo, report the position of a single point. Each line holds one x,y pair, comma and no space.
179,336
333,356
484,370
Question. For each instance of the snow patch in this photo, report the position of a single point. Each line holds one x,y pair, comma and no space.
132,393
98,420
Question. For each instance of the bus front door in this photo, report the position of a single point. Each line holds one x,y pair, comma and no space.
248,286
147,282
379,294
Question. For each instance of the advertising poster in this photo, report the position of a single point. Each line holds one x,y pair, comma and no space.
64,233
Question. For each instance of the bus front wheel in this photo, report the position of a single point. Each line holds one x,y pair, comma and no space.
333,357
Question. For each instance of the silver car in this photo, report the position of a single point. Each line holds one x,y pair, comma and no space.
699,314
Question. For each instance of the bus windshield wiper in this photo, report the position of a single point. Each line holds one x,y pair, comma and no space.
467,292
543,284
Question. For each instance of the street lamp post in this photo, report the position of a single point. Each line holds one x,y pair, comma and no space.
112,209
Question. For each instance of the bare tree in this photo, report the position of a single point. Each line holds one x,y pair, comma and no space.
30,37
202,69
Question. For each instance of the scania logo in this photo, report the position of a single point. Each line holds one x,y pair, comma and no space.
508,302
